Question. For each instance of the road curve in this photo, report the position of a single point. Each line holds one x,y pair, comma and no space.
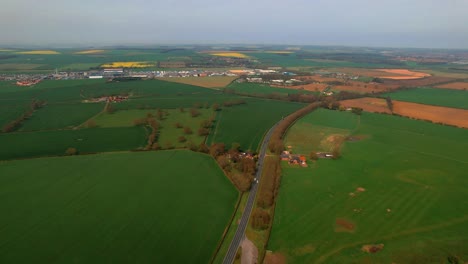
240,232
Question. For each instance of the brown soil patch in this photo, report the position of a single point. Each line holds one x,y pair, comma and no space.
427,81
372,248
455,86
344,225
436,114
249,252
360,189
369,104
274,258
396,74
403,74
207,82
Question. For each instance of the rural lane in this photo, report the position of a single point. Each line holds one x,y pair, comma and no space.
235,243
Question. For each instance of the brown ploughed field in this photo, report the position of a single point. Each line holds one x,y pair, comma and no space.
436,114
369,104
455,86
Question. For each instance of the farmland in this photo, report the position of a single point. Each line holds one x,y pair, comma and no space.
168,132
433,96
400,185
116,207
455,86
436,114
207,82
263,89
55,142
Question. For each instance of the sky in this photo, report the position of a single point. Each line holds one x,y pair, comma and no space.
373,23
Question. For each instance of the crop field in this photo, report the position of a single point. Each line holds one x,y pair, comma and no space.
436,114
54,143
207,82
261,89
369,104
64,59
330,130
61,116
455,86
128,64
39,52
229,54
397,195
246,124
95,51
433,96
168,132
396,74
158,207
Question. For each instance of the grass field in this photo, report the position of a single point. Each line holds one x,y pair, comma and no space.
114,208
168,133
52,143
433,96
413,200
330,128
246,124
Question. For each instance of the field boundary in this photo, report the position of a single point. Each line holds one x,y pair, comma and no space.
229,225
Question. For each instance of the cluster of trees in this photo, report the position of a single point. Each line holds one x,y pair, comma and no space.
389,103
151,122
234,103
15,124
240,169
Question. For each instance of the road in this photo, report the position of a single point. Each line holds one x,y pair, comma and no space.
240,232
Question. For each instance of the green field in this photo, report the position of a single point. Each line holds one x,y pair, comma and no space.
414,199
329,129
433,96
52,143
150,207
247,124
61,116
262,89
168,133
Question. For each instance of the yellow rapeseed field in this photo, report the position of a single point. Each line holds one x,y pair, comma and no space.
6,50
89,51
39,52
230,54
128,64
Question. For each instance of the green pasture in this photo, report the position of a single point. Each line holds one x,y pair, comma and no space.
321,131
168,133
247,124
147,207
413,201
21,145
433,96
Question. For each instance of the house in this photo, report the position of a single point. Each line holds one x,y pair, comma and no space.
285,155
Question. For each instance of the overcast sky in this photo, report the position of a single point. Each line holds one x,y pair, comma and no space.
396,23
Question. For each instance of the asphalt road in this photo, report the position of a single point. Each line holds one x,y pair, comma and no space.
240,232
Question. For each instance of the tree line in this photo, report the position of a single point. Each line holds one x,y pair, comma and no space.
15,124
